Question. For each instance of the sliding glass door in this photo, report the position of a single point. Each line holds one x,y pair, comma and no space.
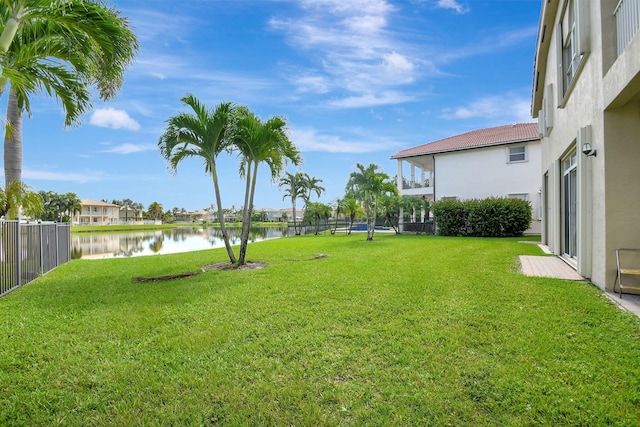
570,205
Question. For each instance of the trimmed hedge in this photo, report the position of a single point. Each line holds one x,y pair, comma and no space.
492,217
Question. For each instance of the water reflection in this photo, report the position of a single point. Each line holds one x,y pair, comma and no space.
184,239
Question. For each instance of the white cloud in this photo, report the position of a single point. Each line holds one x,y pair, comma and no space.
509,107
354,49
62,176
314,84
308,139
452,4
112,118
130,148
370,100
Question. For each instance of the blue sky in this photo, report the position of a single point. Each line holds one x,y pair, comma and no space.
356,81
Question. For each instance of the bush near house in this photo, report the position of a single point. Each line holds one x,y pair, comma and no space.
491,217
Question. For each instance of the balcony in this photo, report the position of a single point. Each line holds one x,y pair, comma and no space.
412,188
621,83
627,16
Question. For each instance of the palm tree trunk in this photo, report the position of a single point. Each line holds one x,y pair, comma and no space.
223,228
374,209
246,217
13,141
295,228
9,31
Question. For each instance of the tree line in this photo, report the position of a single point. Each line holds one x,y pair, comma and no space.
73,48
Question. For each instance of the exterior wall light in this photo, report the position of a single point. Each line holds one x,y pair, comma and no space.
587,150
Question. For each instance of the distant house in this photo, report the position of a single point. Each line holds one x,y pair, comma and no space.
586,96
502,161
95,212
286,214
129,215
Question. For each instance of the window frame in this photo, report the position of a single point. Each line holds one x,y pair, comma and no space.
524,154
572,45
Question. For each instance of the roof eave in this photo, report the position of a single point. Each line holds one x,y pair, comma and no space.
475,147
543,43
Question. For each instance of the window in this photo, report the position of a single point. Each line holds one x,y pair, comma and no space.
572,43
521,196
518,154
570,54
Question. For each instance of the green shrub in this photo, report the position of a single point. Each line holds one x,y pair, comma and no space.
491,217
450,217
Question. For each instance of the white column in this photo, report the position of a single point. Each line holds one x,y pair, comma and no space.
413,176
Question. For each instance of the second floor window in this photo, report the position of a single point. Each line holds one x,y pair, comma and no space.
518,154
573,42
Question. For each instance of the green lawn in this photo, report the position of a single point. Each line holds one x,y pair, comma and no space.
405,330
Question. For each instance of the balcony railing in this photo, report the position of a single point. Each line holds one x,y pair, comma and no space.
627,15
413,184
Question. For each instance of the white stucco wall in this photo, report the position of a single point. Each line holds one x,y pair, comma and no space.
486,172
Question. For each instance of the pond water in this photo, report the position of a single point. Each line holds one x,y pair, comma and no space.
184,239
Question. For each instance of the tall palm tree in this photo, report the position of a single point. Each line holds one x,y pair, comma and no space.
311,185
259,142
200,133
62,48
294,189
368,184
72,205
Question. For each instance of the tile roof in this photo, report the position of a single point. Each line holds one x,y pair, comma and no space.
90,202
500,135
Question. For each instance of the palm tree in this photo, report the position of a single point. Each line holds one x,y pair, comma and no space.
16,196
317,211
68,205
259,142
199,133
368,185
338,207
351,207
310,184
62,48
390,208
294,189
155,210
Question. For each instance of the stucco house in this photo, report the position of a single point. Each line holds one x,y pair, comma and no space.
129,215
586,96
502,161
95,212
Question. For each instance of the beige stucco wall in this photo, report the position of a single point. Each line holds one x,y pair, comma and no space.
609,183
622,185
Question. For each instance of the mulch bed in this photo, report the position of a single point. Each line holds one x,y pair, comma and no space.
163,278
216,266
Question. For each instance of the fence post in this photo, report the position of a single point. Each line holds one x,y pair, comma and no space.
57,247
18,254
41,249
